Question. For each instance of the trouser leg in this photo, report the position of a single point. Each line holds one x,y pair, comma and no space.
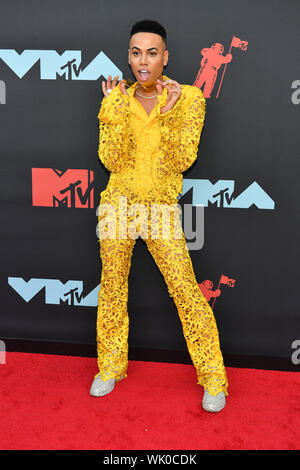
112,314
198,322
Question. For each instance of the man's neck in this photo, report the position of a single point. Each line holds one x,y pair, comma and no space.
148,90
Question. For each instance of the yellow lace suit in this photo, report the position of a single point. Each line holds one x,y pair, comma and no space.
146,155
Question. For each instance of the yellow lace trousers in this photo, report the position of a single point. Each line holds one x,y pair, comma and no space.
172,257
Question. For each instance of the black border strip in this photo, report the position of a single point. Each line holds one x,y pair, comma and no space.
147,354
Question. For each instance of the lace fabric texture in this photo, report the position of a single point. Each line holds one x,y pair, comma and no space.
146,155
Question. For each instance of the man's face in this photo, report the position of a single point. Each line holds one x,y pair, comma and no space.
147,56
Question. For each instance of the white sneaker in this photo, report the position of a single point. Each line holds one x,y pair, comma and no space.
211,403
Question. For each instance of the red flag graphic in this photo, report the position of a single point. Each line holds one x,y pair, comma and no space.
237,42
226,280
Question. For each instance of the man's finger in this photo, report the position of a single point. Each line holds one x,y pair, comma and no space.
165,82
159,88
104,88
178,86
122,86
115,81
169,88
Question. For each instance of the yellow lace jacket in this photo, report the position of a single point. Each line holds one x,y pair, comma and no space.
146,154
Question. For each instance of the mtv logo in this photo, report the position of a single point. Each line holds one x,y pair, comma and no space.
56,291
63,188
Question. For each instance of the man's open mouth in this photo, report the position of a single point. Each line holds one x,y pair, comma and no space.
143,75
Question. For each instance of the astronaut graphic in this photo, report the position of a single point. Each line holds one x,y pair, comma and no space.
211,62
206,289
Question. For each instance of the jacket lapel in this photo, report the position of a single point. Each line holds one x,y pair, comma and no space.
161,99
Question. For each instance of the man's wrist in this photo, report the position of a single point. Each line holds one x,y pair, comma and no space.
165,110
114,110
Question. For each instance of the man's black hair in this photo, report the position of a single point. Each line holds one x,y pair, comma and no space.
149,26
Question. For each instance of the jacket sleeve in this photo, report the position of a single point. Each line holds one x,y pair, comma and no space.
181,128
113,126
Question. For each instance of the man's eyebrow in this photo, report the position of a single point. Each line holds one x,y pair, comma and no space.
150,48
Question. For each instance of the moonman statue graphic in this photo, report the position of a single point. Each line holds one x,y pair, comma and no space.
210,64
206,288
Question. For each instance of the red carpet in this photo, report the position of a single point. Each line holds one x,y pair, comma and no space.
45,404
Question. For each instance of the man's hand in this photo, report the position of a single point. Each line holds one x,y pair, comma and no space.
174,92
110,85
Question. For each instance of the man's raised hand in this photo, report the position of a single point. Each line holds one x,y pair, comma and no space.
111,84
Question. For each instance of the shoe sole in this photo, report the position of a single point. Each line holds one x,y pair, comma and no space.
212,410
